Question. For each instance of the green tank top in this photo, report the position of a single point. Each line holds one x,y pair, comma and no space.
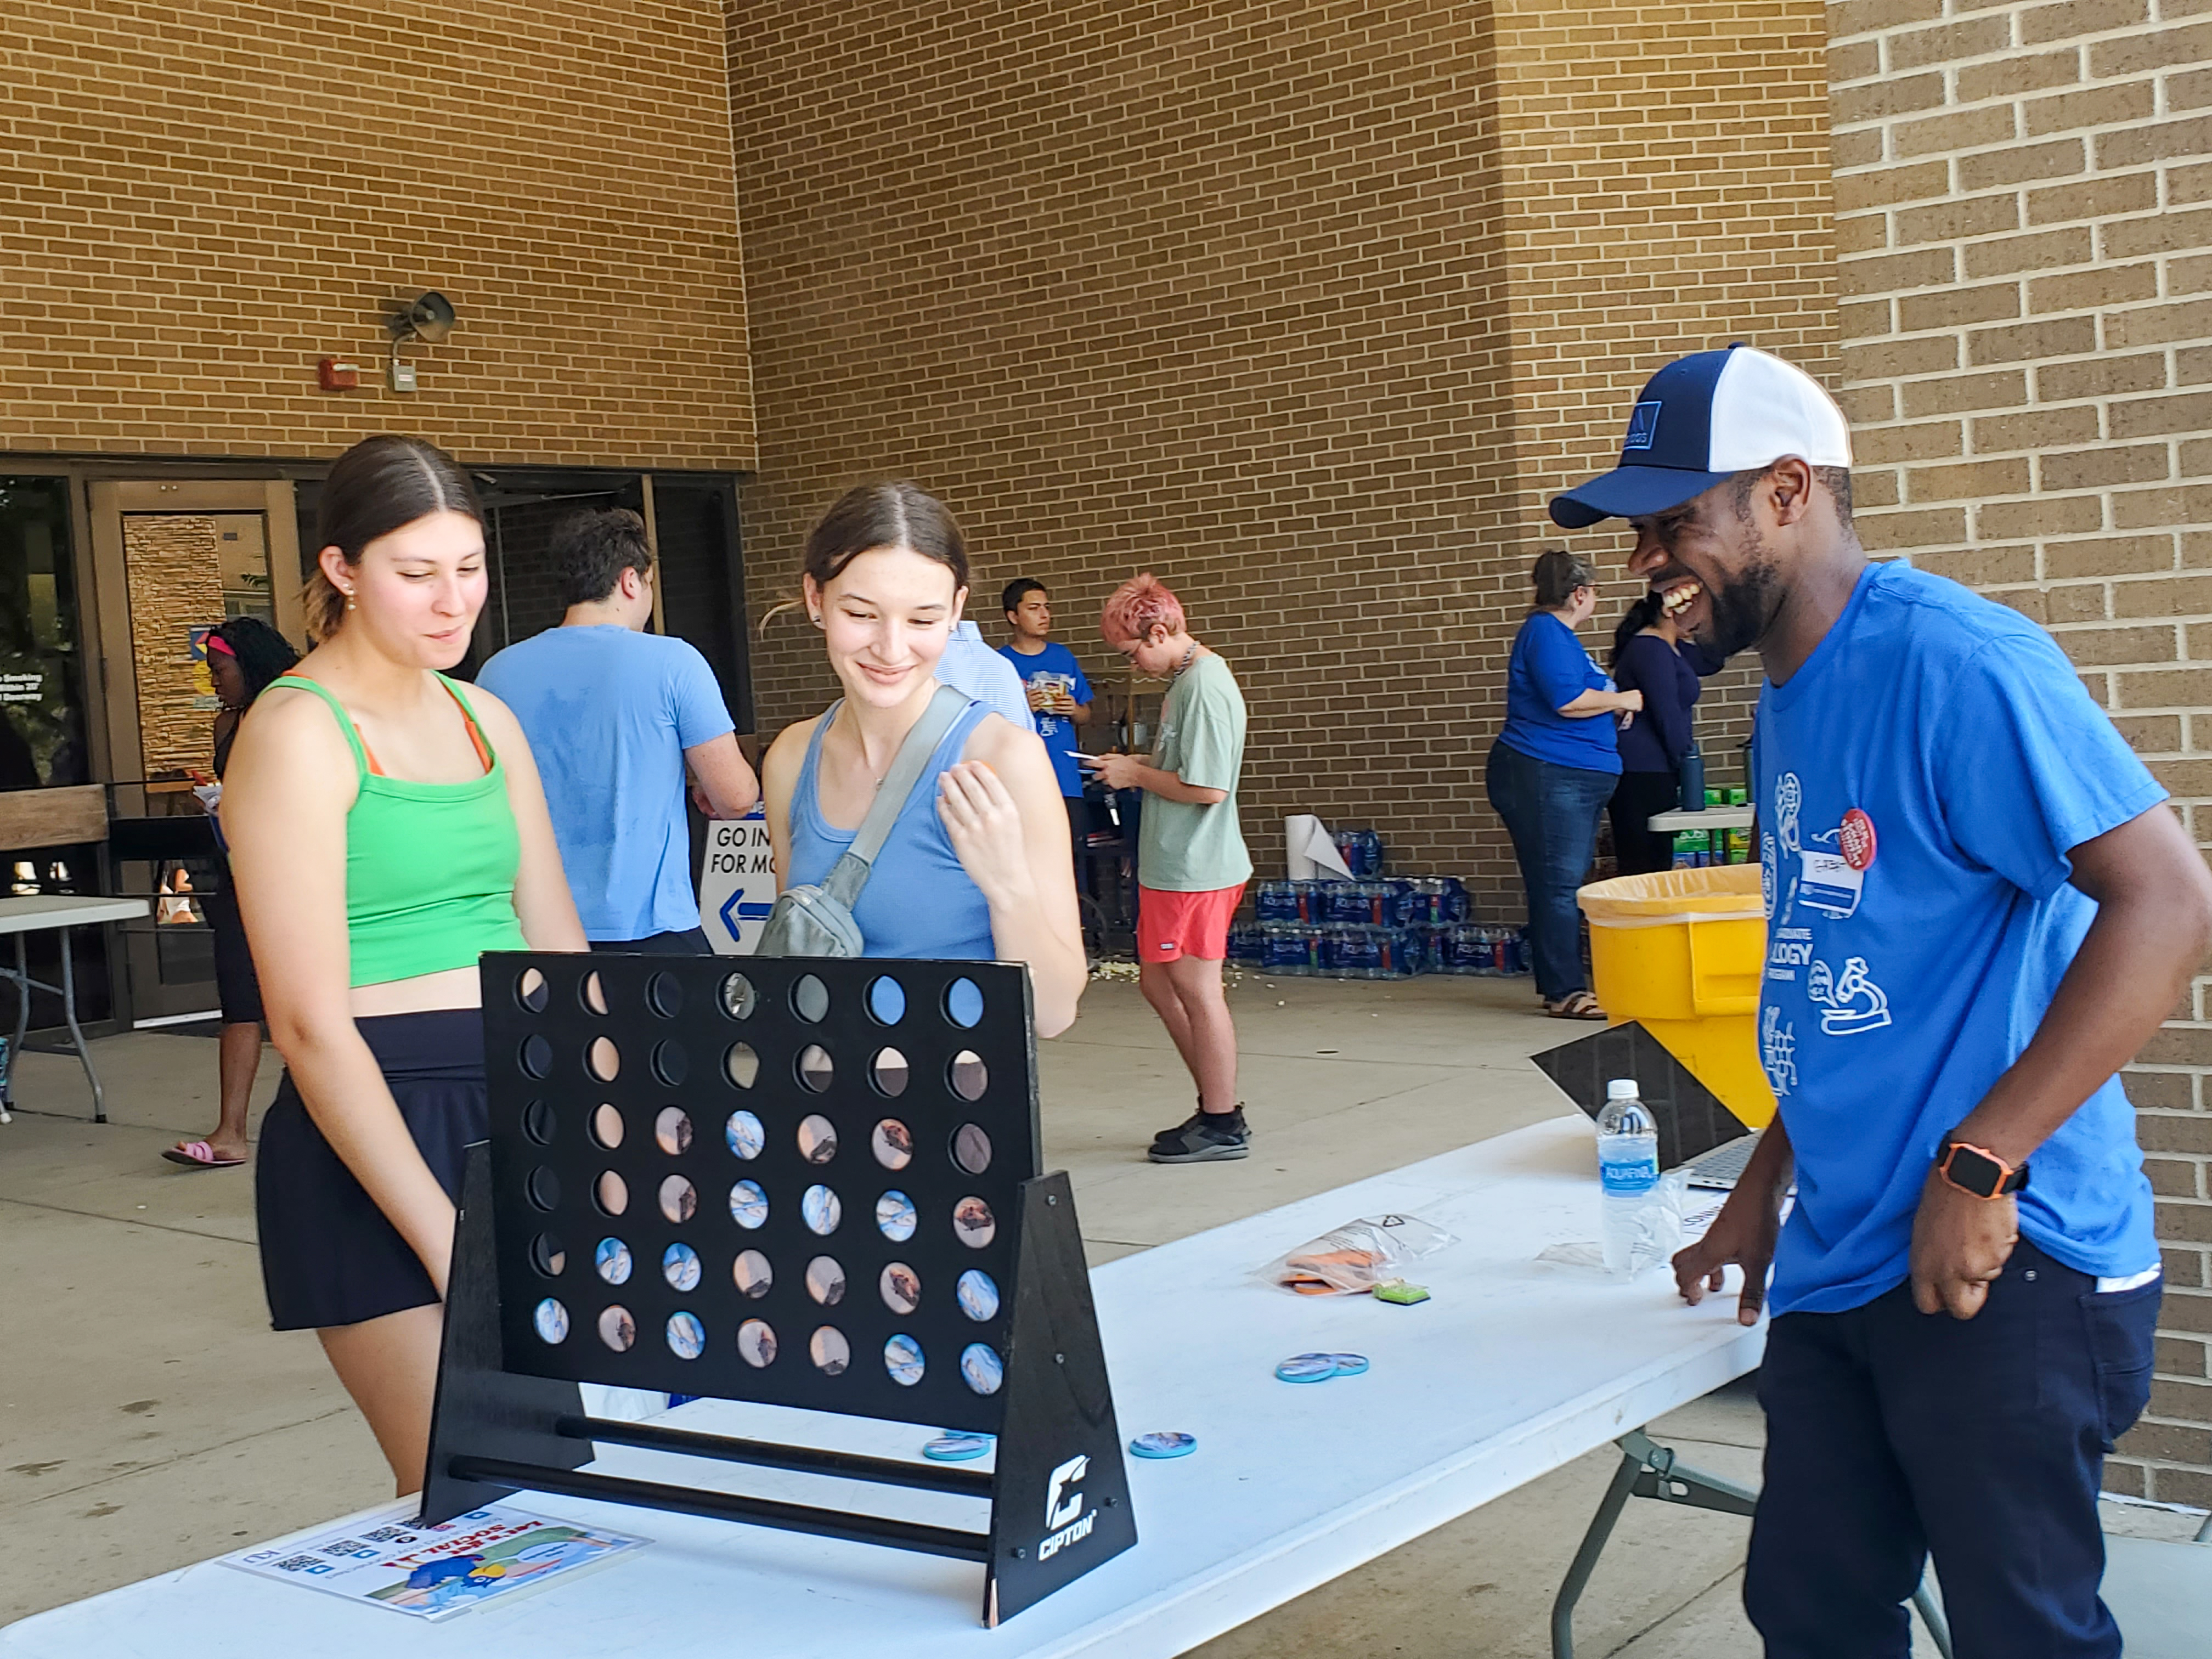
430,867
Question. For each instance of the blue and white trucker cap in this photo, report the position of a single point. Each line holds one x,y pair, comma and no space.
1701,418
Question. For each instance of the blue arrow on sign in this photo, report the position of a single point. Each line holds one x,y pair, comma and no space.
732,912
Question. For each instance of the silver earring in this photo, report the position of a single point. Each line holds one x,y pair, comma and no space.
350,605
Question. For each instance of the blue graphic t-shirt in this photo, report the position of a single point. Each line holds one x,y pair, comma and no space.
1920,782
1056,663
1549,669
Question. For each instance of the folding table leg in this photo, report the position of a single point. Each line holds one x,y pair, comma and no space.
22,978
1648,1469
1578,1571
76,1032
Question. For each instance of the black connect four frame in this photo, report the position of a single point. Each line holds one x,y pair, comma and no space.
804,1182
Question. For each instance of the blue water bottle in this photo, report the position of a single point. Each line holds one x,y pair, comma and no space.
1692,774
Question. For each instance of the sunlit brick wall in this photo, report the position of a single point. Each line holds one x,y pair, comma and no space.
201,200
1304,307
2024,199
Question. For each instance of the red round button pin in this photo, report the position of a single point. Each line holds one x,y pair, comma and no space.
1857,839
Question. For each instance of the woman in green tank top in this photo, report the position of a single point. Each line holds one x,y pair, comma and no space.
387,827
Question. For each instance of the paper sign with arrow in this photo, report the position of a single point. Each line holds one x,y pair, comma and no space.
737,884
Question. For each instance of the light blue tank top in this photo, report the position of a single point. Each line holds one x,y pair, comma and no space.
919,902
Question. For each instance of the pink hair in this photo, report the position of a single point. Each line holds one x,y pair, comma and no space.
1138,606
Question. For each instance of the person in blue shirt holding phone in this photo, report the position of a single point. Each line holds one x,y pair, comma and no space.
1552,770
1979,908
1059,694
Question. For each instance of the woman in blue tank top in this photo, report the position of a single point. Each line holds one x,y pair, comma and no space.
977,865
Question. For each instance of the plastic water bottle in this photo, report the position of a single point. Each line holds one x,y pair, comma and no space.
1628,1176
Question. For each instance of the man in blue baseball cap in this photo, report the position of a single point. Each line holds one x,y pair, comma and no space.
1979,908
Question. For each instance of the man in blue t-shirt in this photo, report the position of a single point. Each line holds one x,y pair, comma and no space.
615,716
1978,910
1059,694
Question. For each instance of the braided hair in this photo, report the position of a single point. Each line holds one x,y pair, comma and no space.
263,653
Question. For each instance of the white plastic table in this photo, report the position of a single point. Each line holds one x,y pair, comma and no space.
1514,1368
24,916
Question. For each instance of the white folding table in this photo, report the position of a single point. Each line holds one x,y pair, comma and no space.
1706,817
25,916
1514,1368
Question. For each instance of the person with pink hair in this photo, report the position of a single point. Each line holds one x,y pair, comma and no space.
1191,861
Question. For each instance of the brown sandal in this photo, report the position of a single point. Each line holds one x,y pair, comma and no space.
1576,1004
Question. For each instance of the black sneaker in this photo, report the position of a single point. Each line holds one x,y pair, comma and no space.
1202,1137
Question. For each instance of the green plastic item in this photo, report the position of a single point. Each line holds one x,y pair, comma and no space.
1398,1291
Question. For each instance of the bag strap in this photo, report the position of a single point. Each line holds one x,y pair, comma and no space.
851,873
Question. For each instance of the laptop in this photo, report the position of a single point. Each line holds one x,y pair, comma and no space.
1698,1135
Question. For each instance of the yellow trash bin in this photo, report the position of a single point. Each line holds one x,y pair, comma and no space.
1680,951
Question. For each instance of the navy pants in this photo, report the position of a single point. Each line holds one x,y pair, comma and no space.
1551,812
691,942
1892,1433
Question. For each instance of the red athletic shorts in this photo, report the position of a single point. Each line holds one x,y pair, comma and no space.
1171,925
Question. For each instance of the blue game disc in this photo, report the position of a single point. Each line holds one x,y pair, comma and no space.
1307,1368
1347,1365
957,1448
1169,1444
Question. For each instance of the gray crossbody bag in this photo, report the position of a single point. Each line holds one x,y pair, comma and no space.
816,919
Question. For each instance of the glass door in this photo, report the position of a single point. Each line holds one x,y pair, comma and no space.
53,815
174,560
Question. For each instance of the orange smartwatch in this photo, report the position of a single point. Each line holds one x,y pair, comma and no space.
1978,1171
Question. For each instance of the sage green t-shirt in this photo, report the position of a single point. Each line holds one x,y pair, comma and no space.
1196,849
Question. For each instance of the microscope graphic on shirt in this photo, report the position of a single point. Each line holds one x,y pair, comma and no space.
1850,1001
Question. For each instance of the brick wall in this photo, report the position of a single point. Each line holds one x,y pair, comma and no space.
1303,306
1666,183
201,200
2024,212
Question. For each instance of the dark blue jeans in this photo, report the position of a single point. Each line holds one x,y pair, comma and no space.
1892,1433
1551,813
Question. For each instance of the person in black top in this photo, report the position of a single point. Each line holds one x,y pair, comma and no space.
1647,655
244,654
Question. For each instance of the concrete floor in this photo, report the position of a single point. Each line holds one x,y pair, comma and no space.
155,1420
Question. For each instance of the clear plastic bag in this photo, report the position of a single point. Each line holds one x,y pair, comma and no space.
1353,1259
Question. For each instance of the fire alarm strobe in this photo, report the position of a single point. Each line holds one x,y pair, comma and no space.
332,375
731,1183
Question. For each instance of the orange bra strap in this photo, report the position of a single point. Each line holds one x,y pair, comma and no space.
476,733
476,736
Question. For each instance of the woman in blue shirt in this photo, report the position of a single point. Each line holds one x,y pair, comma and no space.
1552,770
1647,657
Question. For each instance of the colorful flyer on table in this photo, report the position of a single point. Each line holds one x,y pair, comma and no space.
433,1572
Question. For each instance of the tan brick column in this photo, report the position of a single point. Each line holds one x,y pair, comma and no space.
2024,195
